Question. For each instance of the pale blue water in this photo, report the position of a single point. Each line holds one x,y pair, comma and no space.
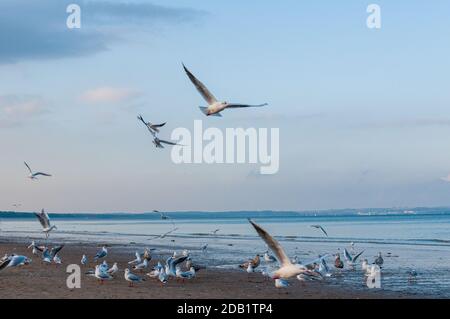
419,240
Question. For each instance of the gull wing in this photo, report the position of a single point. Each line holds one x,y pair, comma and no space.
321,228
347,255
56,250
273,244
357,256
235,106
167,142
201,88
29,169
316,261
159,125
5,263
43,219
42,174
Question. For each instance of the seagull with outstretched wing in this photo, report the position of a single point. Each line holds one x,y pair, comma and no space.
45,222
321,228
153,128
286,269
214,106
351,260
33,176
159,142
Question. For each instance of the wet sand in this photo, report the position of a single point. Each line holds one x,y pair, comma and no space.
39,280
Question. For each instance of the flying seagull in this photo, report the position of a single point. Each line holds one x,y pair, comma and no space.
214,107
287,268
321,228
45,222
153,128
33,176
159,142
351,260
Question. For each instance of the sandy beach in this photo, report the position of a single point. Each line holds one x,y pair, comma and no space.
39,280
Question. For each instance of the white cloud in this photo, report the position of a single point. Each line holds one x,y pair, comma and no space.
109,95
16,108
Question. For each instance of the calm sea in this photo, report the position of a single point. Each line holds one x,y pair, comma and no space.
414,239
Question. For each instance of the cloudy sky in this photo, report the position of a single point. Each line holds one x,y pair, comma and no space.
363,114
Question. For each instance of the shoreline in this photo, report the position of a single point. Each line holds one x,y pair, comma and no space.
42,281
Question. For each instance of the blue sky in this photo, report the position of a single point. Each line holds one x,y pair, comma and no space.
363,114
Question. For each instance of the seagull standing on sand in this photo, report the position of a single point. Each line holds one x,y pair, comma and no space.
214,107
101,275
131,278
84,260
45,222
113,270
138,259
286,269
34,176
143,265
321,228
101,253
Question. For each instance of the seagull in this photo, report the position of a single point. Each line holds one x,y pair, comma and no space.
84,260
141,266
365,265
281,283
286,269
254,262
57,260
153,128
163,216
412,275
49,254
132,278
138,259
204,248
351,260
324,270
159,142
36,248
379,260
163,276
338,262
114,269
269,258
101,253
156,271
321,228
185,274
45,222
101,275
33,176
104,266
14,261
214,107
214,232
172,263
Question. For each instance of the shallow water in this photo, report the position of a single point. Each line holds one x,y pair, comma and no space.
407,241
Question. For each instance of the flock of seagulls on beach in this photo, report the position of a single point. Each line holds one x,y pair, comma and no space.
279,267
